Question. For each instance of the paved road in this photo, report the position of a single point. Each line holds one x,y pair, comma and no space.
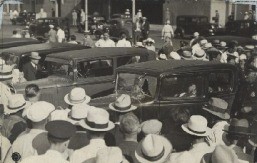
7,29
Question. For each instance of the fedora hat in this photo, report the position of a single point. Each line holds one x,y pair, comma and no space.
199,54
77,96
197,126
147,126
97,120
217,107
203,42
35,55
77,113
207,46
153,148
122,104
109,155
186,55
239,126
163,57
5,72
16,103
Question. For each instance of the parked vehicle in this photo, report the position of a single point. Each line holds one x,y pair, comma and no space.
23,52
157,87
24,18
93,24
40,27
188,24
92,69
15,42
242,41
244,28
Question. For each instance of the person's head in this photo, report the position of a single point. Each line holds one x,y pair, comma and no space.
14,32
32,92
192,89
59,133
196,34
216,11
129,125
144,19
123,36
168,22
41,10
180,115
106,36
73,38
242,60
147,127
34,57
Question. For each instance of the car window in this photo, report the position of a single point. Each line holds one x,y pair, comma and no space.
56,69
220,82
182,87
130,59
95,68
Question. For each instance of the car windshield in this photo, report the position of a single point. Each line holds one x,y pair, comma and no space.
141,87
58,69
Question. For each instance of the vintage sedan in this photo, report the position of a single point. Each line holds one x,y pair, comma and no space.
14,42
22,53
157,87
92,69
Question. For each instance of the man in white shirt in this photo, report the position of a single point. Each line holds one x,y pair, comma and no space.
60,35
59,133
167,30
97,124
123,42
105,42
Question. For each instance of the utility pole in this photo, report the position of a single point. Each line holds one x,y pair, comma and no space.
86,13
133,10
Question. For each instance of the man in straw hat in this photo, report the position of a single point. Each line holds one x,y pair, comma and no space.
37,115
97,124
120,107
58,142
13,123
31,68
195,39
197,128
153,148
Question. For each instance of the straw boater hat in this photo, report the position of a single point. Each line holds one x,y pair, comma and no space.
51,26
35,55
199,54
77,96
196,34
186,55
197,126
5,72
163,57
203,42
217,107
39,111
122,104
153,149
16,103
207,46
97,120
239,127
78,112
109,155
150,40
147,126
222,45
175,56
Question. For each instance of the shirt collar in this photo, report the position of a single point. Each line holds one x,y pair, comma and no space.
97,141
53,153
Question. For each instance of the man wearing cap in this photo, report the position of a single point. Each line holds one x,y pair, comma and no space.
167,30
13,123
31,68
58,142
52,35
147,127
37,114
97,124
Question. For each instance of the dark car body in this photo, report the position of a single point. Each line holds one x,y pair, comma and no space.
165,83
242,41
40,27
44,49
244,28
93,69
14,42
24,18
188,24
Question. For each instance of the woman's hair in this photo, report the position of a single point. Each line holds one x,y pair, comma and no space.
180,115
31,90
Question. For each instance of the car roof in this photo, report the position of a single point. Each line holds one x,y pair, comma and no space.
11,42
191,16
44,48
100,52
241,40
165,67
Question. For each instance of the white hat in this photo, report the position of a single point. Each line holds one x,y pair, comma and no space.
153,148
35,55
168,21
122,104
39,111
51,26
242,57
197,125
59,115
147,126
207,45
217,107
16,102
175,55
196,34
2,62
203,42
182,157
78,112
149,40
139,44
97,120
6,72
199,54
109,155
77,96
163,57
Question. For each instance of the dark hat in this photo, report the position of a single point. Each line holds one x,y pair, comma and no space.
239,126
216,42
60,130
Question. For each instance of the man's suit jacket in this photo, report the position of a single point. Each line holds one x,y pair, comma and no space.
29,72
145,27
